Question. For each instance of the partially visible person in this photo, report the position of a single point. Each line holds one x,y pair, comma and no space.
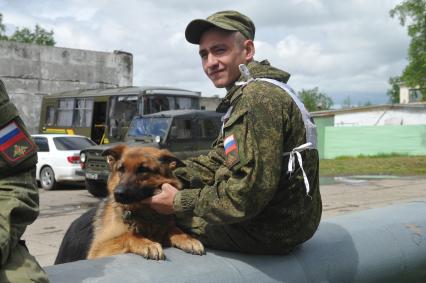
19,202
257,191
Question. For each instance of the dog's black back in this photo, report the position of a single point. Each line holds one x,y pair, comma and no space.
76,242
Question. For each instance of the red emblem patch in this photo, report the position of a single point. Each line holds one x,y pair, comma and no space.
14,144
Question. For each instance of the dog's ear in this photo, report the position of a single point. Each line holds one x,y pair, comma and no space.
166,157
113,154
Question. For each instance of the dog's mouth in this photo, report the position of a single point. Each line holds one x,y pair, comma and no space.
125,195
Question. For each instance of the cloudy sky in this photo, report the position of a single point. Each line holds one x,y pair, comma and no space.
346,48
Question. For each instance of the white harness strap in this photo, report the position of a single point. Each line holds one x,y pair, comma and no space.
311,129
291,162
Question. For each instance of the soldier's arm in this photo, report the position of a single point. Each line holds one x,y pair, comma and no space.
249,180
201,169
18,191
18,208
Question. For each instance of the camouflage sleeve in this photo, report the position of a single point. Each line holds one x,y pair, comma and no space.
201,169
253,142
18,208
18,191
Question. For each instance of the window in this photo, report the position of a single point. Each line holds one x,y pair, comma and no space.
123,108
186,103
83,112
72,143
209,128
149,126
415,95
153,104
65,111
50,116
42,144
181,129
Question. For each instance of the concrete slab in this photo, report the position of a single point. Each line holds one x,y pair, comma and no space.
340,196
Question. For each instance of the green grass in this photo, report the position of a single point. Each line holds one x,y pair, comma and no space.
383,164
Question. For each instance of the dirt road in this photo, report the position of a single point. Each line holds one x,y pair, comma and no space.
340,195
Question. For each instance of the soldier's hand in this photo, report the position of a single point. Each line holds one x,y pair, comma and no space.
163,202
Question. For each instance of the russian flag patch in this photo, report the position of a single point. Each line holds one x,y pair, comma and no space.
14,143
231,150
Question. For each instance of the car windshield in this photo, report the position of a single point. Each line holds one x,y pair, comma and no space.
149,126
72,143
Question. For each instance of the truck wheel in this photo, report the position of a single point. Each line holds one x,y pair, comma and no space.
47,178
97,189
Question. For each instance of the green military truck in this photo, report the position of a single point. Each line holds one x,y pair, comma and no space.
186,133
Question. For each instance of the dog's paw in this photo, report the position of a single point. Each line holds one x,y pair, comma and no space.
191,245
151,251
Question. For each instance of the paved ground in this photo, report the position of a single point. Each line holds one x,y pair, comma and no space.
340,195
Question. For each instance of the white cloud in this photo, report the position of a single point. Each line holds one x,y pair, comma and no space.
342,47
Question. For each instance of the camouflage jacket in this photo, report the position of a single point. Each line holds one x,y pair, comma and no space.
18,191
247,186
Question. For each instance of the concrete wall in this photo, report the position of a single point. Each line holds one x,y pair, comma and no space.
31,71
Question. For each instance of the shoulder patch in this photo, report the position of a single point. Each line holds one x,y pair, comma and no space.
231,150
14,144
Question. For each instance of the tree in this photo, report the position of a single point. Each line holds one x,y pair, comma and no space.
393,93
314,100
2,29
413,13
347,103
40,36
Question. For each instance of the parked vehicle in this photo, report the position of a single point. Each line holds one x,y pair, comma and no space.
186,133
59,158
105,114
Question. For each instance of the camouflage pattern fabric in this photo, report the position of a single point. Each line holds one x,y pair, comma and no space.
18,196
240,196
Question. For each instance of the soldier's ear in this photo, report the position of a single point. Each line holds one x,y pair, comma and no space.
113,154
166,157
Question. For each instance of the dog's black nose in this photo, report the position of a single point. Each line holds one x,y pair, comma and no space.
123,195
127,194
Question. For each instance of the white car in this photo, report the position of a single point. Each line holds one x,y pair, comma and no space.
59,158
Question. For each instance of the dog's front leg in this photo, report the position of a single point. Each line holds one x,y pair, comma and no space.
127,243
179,239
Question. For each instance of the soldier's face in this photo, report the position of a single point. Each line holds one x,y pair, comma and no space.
220,56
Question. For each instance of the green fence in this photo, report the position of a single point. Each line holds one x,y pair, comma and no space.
373,140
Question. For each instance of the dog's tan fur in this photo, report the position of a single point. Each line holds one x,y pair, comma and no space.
130,226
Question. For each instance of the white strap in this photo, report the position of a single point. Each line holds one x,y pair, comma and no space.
291,162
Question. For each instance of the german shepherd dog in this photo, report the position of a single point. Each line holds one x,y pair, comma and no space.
122,223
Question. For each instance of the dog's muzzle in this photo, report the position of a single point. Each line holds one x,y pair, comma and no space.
126,195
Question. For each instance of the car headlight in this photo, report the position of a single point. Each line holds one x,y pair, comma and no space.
82,157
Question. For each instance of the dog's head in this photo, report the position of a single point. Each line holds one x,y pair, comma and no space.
138,172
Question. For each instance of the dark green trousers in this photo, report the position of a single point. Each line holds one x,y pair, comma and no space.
21,267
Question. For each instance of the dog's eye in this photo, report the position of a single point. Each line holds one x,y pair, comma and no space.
142,169
121,169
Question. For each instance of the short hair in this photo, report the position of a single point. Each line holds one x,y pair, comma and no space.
239,39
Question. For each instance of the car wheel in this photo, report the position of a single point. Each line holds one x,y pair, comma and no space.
97,189
47,178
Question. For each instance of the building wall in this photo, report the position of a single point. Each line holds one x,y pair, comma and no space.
209,103
404,94
374,140
322,123
31,71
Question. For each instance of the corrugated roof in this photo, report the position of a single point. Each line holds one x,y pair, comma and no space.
419,105
129,90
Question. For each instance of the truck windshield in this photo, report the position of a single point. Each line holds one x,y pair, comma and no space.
144,126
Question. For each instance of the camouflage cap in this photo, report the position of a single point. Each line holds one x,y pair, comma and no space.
225,20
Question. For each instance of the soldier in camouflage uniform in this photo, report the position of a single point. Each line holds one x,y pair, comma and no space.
18,196
257,190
